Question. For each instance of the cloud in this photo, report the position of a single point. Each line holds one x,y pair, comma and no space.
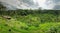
25,4
56,7
55,4
30,2
56,1
18,4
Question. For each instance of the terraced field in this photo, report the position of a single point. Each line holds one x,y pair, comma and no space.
32,23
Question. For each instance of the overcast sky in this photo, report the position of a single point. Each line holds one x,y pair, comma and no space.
24,4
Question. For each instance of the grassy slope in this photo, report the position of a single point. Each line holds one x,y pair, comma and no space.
28,24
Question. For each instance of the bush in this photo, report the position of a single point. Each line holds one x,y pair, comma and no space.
24,28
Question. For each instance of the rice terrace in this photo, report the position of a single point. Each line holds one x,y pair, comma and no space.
29,20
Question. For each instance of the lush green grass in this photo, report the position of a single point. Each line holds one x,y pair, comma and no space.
30,24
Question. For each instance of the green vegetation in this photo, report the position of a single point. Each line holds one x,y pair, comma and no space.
30,21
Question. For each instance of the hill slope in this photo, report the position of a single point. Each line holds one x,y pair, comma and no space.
31,23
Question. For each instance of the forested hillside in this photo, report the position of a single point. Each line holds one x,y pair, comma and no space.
29,21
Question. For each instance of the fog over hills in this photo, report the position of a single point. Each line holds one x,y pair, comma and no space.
27,4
